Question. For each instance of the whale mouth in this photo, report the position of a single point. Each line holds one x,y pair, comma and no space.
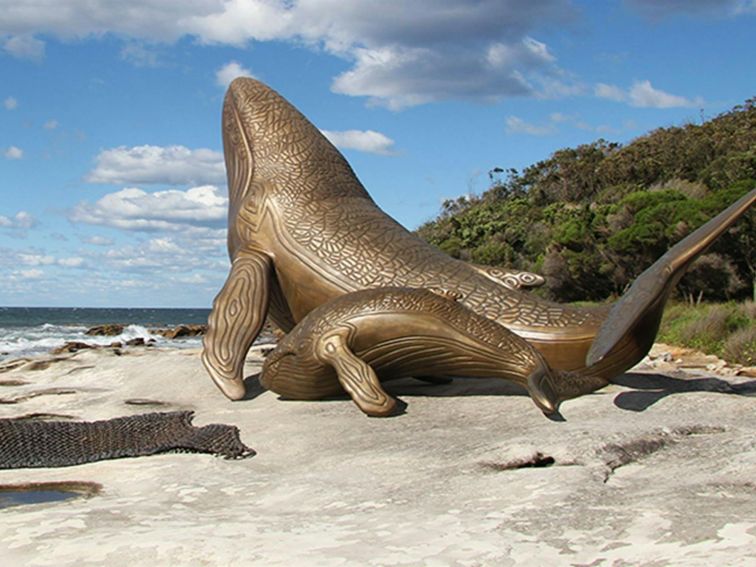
542,391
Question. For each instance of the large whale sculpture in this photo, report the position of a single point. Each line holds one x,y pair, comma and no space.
302,230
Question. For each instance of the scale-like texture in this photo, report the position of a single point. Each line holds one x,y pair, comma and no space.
32,444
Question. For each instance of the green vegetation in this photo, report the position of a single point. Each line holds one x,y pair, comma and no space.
727,329
592,218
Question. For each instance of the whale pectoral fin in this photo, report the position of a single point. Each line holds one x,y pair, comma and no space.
511,279
637,314
356,377
238,314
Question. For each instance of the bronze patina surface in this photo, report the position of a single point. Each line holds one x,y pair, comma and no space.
357,340
303,230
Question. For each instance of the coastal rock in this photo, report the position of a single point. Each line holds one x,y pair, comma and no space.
181,331
108,330
656,469
72,346
139,341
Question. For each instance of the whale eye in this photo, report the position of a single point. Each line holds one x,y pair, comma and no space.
446,293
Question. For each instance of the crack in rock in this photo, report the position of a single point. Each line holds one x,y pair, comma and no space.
616,455
78,369
537,460
144,402
12,365
45,392
42,416
13,382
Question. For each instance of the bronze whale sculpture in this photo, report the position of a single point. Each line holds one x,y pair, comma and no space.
357,340
303,230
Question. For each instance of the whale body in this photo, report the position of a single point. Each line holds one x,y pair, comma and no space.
302,230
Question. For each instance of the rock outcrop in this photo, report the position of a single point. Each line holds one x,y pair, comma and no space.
107,330
181,331
656,469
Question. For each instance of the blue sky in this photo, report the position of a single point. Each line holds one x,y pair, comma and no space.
111,172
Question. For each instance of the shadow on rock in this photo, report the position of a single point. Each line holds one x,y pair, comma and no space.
253,387
419,387
650,388
456,387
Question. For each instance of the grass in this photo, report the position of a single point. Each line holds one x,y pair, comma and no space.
727,330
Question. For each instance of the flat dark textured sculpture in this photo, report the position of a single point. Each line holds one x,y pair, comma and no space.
33,444
303,231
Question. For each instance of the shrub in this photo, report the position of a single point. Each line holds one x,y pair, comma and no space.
727,330
741,346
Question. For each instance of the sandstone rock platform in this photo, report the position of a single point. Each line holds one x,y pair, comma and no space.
657,469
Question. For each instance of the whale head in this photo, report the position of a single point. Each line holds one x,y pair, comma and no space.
268,136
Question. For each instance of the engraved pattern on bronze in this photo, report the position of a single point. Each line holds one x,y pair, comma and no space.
361,338
513,279
356,376
236,319
294,200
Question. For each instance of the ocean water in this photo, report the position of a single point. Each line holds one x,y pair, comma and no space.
26,331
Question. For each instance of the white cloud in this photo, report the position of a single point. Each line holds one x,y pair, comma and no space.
556,121
192,279
656,10
515,125
13,152
72,262
611,92
32,274
176,165
559,117
169,254
163,245
71,19
745,7
36,259
139,54
24,47
172,210
229,72
22,221
50,125
643,94
575,121
98,240
401,76
402,54
368,141
10,103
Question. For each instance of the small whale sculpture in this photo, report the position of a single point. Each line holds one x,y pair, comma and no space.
303,231
355,341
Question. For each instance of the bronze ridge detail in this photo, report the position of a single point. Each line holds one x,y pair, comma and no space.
305,237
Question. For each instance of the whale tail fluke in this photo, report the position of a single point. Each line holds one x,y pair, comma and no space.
633,321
